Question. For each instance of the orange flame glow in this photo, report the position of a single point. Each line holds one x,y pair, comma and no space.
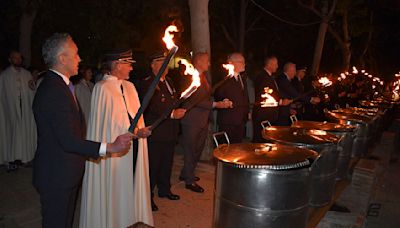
230,69
268,101
324,81
355,71
168,36
190,70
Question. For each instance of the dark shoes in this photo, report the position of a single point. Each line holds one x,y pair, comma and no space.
153,206
195,187
169,196
183,179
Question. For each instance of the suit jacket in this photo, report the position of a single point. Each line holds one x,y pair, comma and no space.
161,100
61,153
261,81
198,105
232,90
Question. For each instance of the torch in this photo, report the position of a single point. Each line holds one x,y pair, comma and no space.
190,70
172,51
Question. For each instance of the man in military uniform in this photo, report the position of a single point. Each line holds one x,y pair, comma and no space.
164,137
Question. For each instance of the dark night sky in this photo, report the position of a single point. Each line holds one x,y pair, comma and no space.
272,37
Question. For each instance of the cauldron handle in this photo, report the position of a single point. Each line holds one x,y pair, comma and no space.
293,118
218,134
265,122
315,161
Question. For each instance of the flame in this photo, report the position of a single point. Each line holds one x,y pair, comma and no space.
343,76
190,70
355,71
230,69
370,76
325,82
168,36
268,101
362,71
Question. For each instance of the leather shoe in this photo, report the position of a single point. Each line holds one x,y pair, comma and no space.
183,179
153,206
195,187
169,196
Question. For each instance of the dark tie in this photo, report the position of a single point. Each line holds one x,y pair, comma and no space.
72,89
241,81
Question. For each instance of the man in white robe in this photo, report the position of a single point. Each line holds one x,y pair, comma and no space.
116,192
83,91
17,125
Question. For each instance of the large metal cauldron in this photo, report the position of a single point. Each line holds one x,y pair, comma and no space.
372,114
262,185
324,174
346,132
360,143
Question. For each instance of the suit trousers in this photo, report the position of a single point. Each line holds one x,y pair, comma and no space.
193,140
161,155
235,133
58,206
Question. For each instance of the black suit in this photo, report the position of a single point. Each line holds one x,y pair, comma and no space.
195,127
164,137
233,120
262,80
287,91
59,161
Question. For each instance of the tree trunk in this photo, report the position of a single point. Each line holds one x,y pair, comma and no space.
319,46
25,33
346,49
200,32
200,26
367,43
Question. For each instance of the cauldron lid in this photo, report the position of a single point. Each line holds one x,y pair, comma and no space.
264,156
299,136
357,111
325,126
348,116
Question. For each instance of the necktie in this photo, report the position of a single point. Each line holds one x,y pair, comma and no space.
72,89
241,81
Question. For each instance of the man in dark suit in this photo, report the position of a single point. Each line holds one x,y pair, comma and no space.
234,88
195,123
263,80
59,161
164,137
288,91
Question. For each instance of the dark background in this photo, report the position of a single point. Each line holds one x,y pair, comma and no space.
100,25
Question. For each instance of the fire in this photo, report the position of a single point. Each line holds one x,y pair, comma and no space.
325,82
268,101
168,36
190,70
355,71
230,69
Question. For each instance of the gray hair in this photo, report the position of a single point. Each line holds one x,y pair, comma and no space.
53,46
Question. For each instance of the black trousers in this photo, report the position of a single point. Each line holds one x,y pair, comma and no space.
161,155
193,140
235,133
58,206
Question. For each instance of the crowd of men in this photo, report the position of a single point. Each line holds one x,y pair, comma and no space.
80,131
